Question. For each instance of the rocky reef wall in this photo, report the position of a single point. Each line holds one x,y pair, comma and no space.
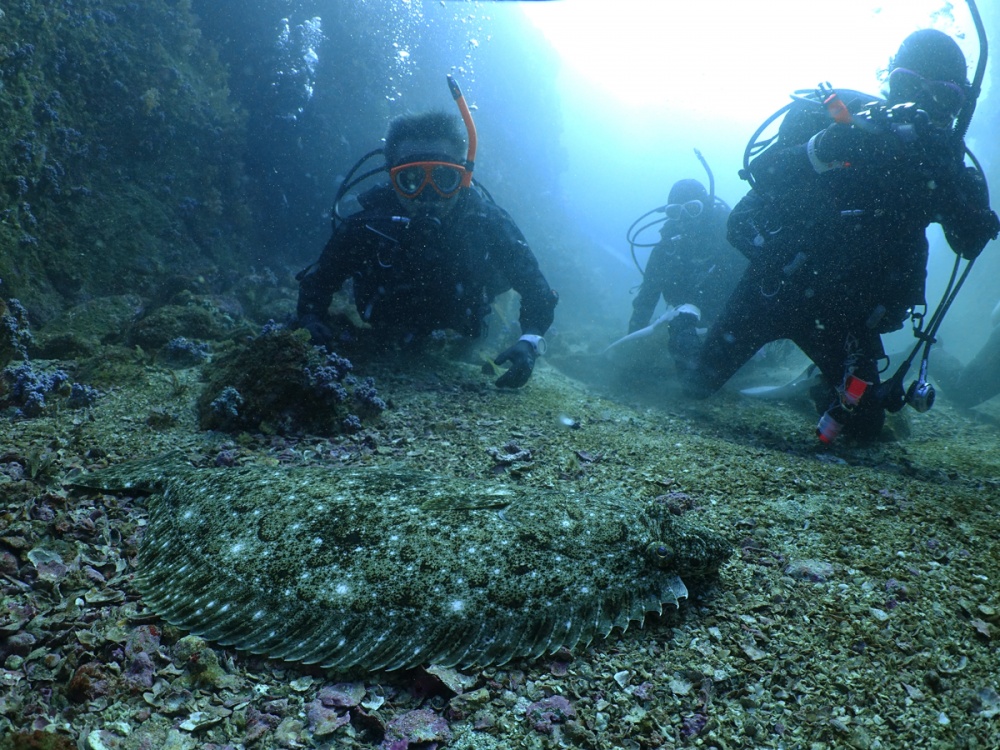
120,151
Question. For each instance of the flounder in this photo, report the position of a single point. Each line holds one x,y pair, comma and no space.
383,568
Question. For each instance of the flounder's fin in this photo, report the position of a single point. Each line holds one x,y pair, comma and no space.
674,588
144,474
496,499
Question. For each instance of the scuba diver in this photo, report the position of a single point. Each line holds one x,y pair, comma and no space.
835,230
693,264
429,251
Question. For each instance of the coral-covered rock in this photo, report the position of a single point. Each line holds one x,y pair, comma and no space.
278,382
552,710
164,324
342,695
82,329
415,728
15,335
201,663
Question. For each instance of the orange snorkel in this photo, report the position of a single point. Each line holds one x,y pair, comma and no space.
470,126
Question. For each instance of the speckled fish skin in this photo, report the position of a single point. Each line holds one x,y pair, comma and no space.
386,569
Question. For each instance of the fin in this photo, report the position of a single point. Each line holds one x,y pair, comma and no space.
145,475
500,498
798,387
670,314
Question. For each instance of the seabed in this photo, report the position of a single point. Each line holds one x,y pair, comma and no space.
860,610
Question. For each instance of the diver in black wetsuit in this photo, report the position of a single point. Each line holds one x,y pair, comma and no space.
429,252
693,263
835,229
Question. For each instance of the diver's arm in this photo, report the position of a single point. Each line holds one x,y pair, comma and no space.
323,279
785,164
791,160
968,222
538,299
649,292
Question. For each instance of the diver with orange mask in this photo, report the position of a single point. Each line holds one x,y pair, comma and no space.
426,251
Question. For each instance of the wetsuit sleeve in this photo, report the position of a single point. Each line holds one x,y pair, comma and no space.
968,222
786,163
538,299
323,279
653,280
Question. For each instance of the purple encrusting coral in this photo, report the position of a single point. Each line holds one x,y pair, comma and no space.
25,388
326,382
183,352
15,335
419,728
81,395
28,389
228,403
552,710
366,395
271,326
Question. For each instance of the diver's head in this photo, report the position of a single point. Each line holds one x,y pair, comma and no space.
425,154
687,202
930,70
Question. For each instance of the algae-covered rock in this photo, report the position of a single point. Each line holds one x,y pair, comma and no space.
278,382
169,322
82,329
120,151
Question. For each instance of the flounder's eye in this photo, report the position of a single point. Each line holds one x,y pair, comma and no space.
661,551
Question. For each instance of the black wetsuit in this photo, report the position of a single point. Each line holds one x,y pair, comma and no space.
411,278
693,263
839,256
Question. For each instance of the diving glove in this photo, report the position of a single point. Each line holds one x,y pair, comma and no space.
981,227
320,333
842,145
522,361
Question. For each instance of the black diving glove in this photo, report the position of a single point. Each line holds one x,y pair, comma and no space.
522,361
320,333
984,226
842,144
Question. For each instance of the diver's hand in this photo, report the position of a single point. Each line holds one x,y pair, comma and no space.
320,333
981,227
843,145
522,361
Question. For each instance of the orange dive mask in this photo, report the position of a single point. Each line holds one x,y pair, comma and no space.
410,179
